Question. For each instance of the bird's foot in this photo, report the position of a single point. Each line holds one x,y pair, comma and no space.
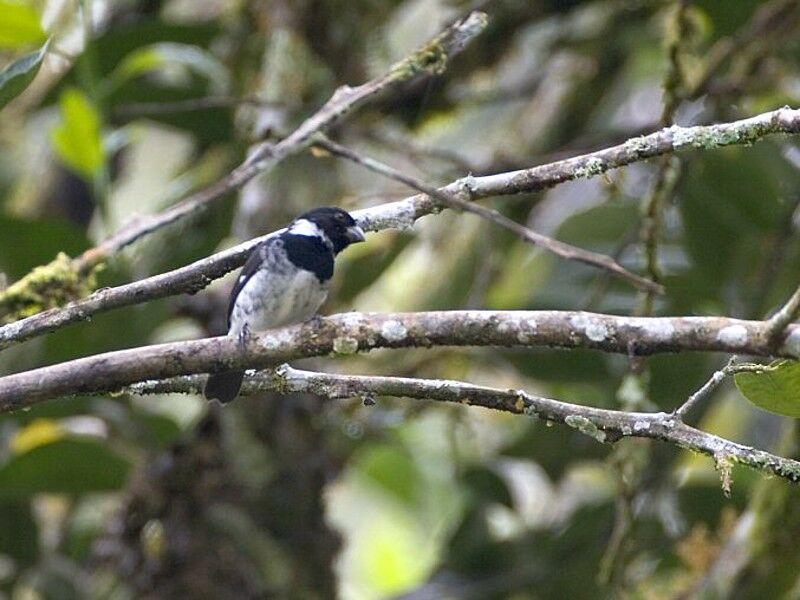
282,370
281,374
244,335
315,321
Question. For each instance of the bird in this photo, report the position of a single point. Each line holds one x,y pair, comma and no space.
284,281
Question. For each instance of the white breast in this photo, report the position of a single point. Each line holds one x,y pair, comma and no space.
269,300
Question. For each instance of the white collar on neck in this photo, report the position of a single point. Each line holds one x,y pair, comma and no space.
305,227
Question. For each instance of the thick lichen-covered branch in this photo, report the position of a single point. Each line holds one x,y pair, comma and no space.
349,333
403,214
601,424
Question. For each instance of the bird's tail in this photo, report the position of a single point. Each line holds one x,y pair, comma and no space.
223,386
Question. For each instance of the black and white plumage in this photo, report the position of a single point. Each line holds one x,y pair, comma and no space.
285,280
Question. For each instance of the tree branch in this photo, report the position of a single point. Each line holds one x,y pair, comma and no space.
402,214
705,390
453,200
349,333
784,316
601,424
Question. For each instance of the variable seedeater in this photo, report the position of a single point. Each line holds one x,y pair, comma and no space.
284,281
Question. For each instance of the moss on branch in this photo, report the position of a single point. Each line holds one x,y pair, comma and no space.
46,286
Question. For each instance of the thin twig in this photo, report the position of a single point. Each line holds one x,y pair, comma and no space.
451,200
674,82
788,313
718,377
706,389
602,424
652,219
614,561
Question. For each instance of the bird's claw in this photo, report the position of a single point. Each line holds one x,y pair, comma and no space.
244,335
315,321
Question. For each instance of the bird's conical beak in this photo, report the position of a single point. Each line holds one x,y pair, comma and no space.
355,234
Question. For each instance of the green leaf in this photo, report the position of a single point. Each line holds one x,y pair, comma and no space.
19,74
65,466
20,25
167,54
78,139
391,469
776,388
139,63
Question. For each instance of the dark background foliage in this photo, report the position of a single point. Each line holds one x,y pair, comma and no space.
138,103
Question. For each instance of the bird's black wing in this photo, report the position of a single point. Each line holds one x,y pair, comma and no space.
251,267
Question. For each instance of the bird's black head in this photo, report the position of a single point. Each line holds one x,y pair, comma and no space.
336,224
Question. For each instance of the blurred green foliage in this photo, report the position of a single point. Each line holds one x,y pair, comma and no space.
20,26
77,140
19,74
63,466
124,497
